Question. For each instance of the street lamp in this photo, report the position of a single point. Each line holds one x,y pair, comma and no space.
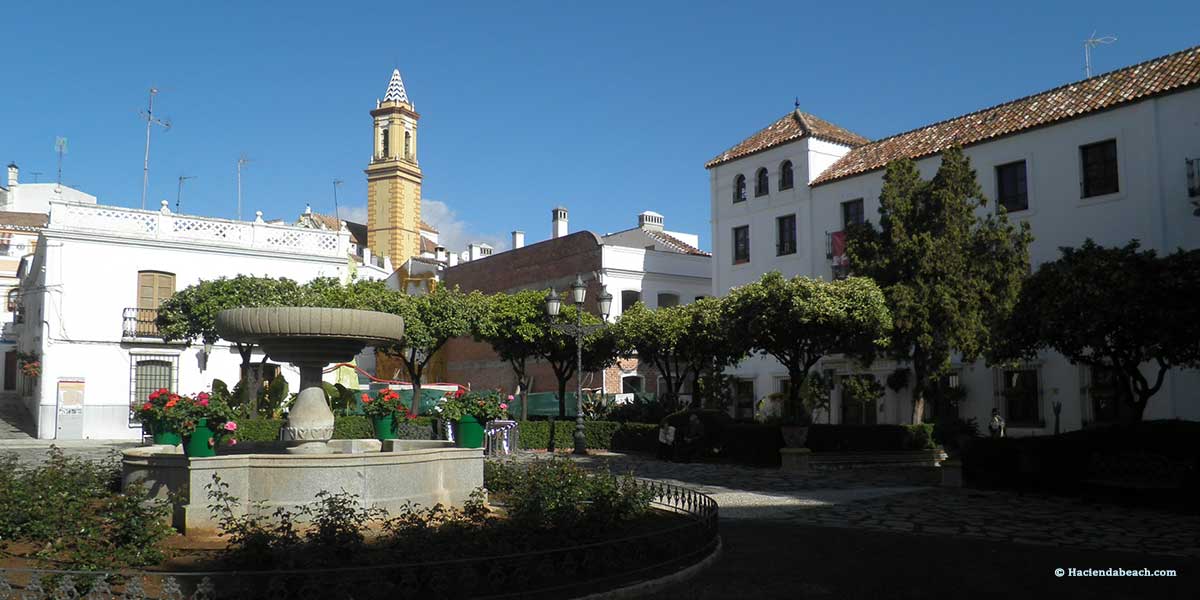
578,330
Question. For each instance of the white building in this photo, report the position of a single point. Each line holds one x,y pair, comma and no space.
1112,158
89,296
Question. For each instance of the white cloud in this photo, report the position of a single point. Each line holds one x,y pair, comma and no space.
453,232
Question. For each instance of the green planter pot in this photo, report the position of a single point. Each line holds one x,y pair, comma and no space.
197,444
163,435
385,427
468,432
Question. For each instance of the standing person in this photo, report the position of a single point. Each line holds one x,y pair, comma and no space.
996,425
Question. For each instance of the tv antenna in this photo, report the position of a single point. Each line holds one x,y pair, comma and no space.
179,192
337,214
60,146
241,162
151,120
1090,43
35,175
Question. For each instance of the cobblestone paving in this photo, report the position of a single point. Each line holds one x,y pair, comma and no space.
907,500
15,422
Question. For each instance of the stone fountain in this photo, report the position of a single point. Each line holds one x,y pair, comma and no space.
310,338
289,473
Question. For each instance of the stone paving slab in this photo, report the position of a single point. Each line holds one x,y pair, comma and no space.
1013,517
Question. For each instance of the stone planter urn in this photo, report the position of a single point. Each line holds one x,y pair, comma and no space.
310,338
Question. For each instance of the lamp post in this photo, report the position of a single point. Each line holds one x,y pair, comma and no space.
578,330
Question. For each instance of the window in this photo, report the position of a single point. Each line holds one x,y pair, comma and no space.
632,384
1011,191
785,175
852,213
151,372
739,188
741,244
667,299
858,411
743,398
1099,163
629,298
383,142
943,398
5,243
1106,394
408,145
1020,397
785,235
762,183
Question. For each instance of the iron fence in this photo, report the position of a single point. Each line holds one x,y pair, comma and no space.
139,323
554,573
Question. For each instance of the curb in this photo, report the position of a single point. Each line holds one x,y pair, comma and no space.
643,588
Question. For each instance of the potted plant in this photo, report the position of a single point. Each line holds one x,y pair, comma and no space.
383,411
30,365
153,414
200,422
470,411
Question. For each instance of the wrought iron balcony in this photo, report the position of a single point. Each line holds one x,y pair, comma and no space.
139,323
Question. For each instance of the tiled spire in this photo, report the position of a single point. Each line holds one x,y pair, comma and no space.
395,91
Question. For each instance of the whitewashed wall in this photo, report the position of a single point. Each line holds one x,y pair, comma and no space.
1153,139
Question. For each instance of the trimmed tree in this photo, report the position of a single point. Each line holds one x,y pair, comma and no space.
1114,308
513,324
191,314
800,320
430,320
679,341
950,276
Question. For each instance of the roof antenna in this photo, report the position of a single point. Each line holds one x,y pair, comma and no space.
151,120
242,161
337,213
1090,43
797,103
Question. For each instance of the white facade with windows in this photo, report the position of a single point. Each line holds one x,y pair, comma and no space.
1126,171
89,292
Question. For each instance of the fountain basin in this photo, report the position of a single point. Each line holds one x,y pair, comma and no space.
424,472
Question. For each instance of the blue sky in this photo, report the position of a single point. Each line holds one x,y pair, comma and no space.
608,108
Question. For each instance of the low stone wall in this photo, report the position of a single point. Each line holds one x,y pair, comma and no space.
425,473
803,459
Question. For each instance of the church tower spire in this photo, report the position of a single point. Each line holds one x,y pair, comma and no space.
394,177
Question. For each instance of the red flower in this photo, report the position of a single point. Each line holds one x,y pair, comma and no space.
172,402
147,406
202,396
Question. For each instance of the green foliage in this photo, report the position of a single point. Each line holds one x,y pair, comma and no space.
1113,307
679,341
72,511
641,409
536,434
800,320
870,438
514,324
344,428
861,389
259,430
950,276
352,427
191,313
559,494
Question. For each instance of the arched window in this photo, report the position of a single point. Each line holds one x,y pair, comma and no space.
408,145
383,143
762,183
785,175
739,188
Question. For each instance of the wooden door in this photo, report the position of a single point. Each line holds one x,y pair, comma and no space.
153,288
10,370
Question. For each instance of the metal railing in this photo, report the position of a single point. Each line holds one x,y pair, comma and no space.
554,573
139,323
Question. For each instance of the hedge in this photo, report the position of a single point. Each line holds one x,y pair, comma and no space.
1152,462
600,435
870,438
344,428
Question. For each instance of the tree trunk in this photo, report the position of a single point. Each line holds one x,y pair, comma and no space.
918,404
249,397
414,371
796,376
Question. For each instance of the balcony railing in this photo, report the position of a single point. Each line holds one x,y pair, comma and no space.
139,323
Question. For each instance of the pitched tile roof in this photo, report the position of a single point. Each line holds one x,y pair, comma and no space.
23,220
791,126
1161,75
675,243
427,227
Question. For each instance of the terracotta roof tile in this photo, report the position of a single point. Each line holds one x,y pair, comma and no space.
23,220
427,227
1138,82
673,242
791,126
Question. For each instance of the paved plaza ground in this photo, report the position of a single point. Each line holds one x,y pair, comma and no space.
891,533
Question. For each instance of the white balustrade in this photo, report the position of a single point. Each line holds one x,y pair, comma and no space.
163,225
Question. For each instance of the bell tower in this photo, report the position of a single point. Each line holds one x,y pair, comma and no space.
394,177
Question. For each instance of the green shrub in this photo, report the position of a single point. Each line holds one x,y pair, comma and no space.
635,437
752,443
259,430
535,435
559,494
344,428
870,438
73,512
352,427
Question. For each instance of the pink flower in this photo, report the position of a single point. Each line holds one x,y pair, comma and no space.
510,398
203,397
504,406
230,426
203,402
232,442
211,442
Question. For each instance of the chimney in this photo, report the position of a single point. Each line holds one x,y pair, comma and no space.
518,239
453,259
439,253
474,252
650,221
13,172
558,218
